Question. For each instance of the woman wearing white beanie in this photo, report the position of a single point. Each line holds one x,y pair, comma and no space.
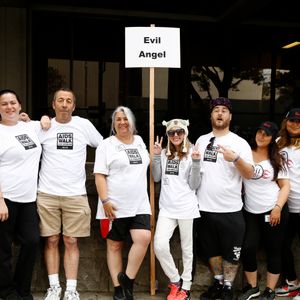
178,169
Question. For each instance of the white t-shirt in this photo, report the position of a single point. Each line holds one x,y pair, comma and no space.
177,200
20,152
126,168
292,156
261,192
221,182
64,145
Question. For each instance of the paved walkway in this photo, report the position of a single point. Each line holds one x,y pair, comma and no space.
137,296
108,296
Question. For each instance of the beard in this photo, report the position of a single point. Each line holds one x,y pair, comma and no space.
220,125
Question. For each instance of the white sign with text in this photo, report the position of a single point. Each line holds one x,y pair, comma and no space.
157,47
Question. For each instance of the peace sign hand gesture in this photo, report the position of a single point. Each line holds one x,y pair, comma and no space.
158,145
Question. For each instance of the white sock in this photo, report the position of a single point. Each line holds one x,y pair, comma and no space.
71,285
227,282
220,277
53,280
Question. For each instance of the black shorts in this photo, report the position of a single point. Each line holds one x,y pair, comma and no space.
221,234
121,227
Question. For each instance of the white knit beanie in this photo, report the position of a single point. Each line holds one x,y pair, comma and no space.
180,123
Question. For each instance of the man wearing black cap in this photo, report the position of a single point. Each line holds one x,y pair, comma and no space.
226,158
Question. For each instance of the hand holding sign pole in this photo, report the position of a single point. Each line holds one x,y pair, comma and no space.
152,47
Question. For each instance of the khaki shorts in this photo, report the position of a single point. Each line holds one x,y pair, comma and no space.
69,215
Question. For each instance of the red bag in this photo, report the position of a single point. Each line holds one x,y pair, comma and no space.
105,226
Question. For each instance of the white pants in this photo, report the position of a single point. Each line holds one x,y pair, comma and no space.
164,230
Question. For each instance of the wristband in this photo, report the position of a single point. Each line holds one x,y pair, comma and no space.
278,206
105,201
236,159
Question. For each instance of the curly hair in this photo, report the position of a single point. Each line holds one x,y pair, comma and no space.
284,138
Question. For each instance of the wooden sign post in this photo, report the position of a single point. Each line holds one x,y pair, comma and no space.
152,47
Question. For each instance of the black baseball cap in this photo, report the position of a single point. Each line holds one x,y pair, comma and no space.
269,128
293,114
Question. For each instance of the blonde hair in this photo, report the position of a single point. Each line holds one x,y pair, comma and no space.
181,154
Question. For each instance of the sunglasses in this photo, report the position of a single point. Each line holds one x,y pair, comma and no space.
211,143
179,132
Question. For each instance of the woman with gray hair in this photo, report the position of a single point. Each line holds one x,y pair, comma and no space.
120,169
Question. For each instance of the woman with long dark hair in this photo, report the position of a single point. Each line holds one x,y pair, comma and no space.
265,211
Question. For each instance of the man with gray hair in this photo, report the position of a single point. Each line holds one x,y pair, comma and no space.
62,201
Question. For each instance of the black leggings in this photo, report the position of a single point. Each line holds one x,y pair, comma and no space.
293,229
22,225
257,230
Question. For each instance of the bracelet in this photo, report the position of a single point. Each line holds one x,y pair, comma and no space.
236,159
278,206
105,201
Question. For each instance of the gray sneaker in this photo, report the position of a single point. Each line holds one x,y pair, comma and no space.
249,292
71,295
53,293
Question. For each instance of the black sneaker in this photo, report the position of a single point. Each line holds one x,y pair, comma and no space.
13,296
227,293
119,297
249,292
127,285
213,292
118,293
28,297
268,294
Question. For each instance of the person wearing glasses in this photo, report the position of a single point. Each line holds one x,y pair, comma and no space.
120,169
226,159
178,169
289,144
265,212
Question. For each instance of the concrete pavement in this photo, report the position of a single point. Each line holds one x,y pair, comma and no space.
108,296
137,296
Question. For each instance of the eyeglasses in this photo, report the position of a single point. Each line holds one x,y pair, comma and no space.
179,132
211,143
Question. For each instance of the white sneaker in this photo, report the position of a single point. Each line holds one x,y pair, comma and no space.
297,297
53,293
71,295
290,289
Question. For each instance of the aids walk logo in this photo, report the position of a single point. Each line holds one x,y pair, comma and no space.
134,156
172,167
65,141
26,141
211,155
